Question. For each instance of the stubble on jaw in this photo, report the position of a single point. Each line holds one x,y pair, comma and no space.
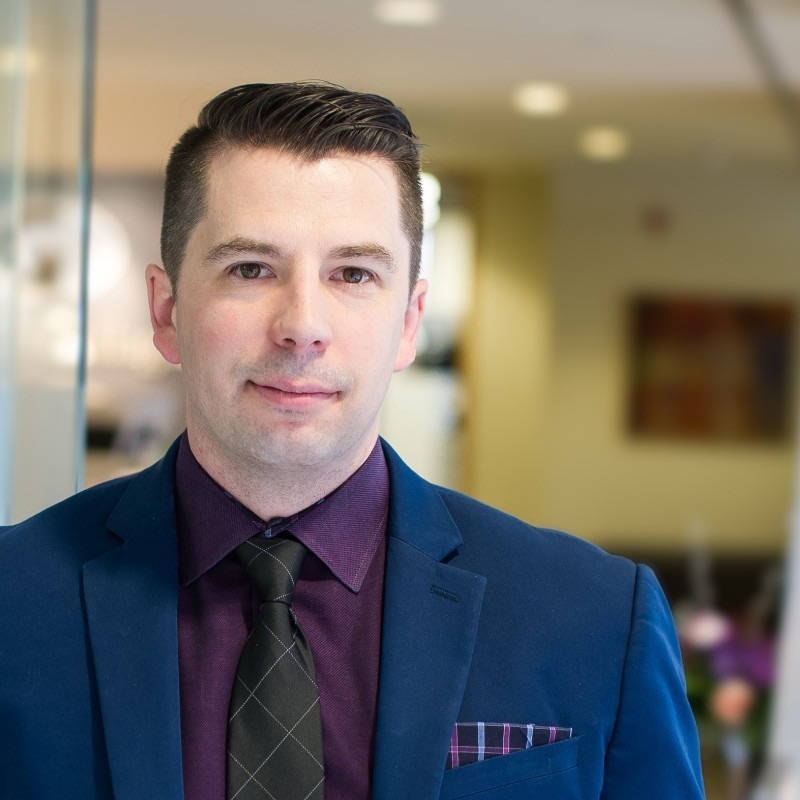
278,467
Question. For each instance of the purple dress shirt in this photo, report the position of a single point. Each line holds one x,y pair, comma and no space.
338,603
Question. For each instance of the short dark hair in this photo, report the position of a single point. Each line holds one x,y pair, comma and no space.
310,120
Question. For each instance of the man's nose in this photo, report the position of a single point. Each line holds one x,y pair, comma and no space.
300,322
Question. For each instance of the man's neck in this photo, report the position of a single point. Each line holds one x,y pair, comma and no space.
271,491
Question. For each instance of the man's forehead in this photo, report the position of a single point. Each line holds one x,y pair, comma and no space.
237,220
246,182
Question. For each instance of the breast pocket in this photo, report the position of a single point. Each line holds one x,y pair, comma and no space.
547,771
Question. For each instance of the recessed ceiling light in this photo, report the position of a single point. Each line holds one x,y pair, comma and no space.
408,12
537,99
604,143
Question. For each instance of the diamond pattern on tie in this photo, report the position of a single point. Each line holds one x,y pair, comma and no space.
274,726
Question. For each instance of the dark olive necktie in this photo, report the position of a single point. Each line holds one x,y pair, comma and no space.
274,725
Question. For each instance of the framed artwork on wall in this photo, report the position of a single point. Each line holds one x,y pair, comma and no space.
710,369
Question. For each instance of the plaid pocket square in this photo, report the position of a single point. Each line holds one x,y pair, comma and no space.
471,742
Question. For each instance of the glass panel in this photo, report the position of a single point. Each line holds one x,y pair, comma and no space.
11,39
46,48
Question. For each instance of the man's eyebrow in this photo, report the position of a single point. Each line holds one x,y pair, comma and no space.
371,250
239,245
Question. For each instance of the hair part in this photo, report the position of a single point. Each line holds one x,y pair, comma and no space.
308,120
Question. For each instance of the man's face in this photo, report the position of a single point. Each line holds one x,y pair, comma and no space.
292,310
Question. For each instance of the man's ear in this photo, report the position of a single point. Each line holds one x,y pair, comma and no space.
162,313
413,317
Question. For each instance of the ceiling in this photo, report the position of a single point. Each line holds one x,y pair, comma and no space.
677,75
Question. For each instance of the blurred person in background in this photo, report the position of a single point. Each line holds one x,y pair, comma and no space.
280,608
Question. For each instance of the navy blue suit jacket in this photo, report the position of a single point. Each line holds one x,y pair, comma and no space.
485,619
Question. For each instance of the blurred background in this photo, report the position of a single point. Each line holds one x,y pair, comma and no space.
612,201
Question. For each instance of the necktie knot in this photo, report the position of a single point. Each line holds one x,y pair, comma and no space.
273,565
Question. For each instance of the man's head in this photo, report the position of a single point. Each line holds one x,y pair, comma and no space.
307,120
291,234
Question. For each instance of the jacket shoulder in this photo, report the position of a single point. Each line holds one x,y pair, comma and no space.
78,510
81,525
495,535
91,508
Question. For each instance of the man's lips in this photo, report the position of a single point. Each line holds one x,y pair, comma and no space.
297,387
294,394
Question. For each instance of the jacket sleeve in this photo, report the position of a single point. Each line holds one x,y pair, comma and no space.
654,750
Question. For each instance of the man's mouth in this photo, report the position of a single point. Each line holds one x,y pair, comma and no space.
294,394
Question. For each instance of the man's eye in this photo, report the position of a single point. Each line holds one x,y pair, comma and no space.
355,275
249,271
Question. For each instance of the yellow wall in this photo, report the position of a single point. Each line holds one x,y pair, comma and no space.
557,262
508,347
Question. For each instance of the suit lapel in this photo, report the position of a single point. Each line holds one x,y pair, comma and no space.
431,612
131,595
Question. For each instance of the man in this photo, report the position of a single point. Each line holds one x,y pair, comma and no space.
449,650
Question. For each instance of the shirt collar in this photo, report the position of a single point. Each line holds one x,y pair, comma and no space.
343,530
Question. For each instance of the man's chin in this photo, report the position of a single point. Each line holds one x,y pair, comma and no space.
301,450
